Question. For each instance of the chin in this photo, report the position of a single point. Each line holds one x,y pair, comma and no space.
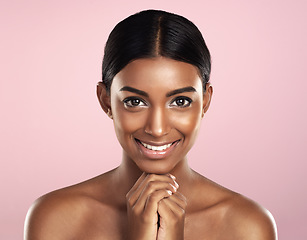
156,168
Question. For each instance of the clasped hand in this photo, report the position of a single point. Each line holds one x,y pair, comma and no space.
156,209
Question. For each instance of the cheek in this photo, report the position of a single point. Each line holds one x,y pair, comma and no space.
188,122
125,122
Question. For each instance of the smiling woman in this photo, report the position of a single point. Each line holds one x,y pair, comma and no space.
156,89
163,105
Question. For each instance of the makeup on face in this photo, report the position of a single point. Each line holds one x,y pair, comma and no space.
157,106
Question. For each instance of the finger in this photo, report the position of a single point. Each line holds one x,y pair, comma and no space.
152,202
149,191
165,210
137,183
134,188
168,209
179,199
134,194
175,204
162,178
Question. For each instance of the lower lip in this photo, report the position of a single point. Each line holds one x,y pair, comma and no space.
152,154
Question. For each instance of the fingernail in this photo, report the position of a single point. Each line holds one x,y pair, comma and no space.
175,188
172,176
177,185
169,192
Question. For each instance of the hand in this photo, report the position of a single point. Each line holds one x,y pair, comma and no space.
172,215
143,203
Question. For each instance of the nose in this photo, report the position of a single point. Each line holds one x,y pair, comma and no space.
157,123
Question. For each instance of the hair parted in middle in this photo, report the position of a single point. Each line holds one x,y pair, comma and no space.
154,33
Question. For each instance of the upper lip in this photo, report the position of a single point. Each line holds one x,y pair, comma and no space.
157,143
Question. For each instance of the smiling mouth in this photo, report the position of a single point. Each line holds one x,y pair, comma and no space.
156,148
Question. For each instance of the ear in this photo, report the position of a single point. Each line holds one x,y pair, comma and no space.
104,99
207,98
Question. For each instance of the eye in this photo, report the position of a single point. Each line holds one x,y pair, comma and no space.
133,102
181,102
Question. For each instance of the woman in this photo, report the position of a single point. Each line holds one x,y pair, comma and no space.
156,89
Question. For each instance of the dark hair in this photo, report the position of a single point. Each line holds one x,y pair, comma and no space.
154,33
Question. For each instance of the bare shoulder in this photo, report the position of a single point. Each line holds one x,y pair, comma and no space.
54,215
230,215
246,219
64,213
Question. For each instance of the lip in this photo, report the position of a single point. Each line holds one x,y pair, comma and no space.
156,154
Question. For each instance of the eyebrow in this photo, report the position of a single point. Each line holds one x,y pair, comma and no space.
181,90
171,93
134,90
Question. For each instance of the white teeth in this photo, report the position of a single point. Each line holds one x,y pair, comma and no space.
156,148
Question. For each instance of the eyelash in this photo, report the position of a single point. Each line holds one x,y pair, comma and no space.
128,102
187,101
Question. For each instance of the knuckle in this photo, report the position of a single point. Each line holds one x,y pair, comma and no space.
130,202
152,197
150,184
156,196
151,177
181,213
159,194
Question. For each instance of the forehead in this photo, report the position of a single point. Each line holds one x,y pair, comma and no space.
159,73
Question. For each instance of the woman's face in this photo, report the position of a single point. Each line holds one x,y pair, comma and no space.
157,106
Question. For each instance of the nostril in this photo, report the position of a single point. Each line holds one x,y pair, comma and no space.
148,131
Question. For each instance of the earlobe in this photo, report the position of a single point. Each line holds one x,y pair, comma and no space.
207,98
109,113
104,99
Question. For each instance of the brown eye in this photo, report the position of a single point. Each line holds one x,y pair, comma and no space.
181,102
133,102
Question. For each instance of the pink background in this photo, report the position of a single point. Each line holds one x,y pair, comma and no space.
53,133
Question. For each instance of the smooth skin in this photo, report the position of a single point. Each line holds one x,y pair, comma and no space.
149,196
